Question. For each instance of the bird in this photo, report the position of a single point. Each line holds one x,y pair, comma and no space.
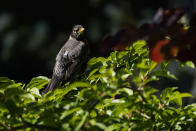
70,58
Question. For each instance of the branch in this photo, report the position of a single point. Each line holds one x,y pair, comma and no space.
135,88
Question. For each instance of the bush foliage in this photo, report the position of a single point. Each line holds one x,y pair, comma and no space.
113,94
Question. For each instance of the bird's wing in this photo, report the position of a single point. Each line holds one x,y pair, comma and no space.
76,52
75,56
67,55
72,69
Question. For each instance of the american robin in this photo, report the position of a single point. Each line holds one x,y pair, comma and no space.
69,59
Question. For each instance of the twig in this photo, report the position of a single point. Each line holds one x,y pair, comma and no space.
135,88
144,115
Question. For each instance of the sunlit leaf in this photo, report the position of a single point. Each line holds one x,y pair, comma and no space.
190,64
69,112
82,121
38,82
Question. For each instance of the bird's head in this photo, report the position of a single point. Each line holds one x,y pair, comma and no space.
77,31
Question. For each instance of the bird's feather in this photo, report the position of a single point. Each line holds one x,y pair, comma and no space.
68,62
53,83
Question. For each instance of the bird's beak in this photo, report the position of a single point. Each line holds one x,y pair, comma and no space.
81,30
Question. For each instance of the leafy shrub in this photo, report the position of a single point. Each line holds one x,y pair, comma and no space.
113,94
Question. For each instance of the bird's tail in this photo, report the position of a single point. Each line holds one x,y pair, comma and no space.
54,82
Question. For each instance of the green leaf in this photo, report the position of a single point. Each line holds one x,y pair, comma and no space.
191,107
190,64
167,93
27,97
98,124
93,114
34,91
92,72
139,44
100,99
38,82
59,93
176,97
121,54
6,80
164,73
82,93
11,106
69,112
182,95
4,83
126,90
113,127
95,60
149,90
82,121
76,85
14,89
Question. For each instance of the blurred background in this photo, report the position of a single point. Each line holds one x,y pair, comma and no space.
32,33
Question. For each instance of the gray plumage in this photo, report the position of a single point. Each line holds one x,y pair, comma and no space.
68,60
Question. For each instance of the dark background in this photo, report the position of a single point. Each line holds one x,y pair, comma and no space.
32,33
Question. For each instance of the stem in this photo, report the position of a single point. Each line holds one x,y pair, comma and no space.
81,122
137,89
